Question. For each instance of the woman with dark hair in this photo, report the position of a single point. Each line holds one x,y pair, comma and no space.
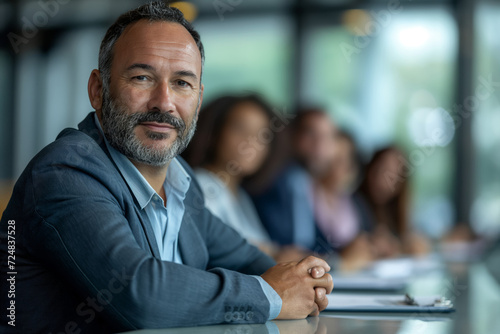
232,142
335,213
384,201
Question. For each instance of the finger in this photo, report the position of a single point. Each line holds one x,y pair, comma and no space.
317,272
315,312
321,300
324,282
322,305
311,261
320,294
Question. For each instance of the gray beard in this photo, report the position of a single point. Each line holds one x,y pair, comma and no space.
118,127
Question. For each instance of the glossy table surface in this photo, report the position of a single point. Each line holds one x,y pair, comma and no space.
473,288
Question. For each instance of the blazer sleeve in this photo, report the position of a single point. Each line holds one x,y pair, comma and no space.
78,228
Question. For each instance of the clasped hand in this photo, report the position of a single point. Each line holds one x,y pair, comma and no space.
302,286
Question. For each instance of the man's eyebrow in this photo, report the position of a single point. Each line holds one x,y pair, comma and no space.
181,73
141,66
186,73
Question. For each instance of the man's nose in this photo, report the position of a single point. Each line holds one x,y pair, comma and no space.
162,99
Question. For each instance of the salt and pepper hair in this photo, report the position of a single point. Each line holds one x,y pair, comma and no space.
117,122
153,12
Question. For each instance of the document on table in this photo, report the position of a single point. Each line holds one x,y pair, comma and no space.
347,302
368,283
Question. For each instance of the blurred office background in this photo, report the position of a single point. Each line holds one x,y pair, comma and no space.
388,71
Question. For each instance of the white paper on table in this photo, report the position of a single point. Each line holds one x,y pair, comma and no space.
347,302
359,282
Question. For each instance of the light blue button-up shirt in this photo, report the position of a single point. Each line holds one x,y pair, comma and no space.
160,216
166,219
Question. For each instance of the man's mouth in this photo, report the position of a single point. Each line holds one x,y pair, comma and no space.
158,127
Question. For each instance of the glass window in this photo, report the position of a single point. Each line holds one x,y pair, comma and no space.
486,207
247,54
389,79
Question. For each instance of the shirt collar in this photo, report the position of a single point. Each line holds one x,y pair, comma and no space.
177,177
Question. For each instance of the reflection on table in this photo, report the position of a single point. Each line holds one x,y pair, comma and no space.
473,289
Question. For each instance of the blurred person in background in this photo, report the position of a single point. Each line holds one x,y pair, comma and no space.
232,142
286,204
334,208
383,199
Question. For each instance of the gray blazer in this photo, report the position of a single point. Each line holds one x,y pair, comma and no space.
86,257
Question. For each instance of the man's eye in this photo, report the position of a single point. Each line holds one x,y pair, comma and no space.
140,78
182,83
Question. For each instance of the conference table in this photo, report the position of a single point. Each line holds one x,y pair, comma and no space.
474,289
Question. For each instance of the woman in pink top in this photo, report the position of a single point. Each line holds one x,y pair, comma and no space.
336,214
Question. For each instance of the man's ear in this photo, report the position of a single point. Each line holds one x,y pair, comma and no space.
94,88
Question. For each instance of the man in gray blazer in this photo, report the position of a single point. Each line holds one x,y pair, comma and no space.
106,229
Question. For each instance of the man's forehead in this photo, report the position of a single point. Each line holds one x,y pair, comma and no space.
156,37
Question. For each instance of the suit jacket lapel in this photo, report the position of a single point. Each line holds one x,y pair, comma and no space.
191,242
148,230
88,127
